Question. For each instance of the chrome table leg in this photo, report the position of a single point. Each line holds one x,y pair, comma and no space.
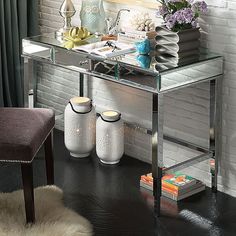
215,128
29,96
157,149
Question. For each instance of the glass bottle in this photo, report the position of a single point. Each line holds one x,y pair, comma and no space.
92,15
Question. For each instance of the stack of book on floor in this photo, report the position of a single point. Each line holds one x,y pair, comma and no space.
174,186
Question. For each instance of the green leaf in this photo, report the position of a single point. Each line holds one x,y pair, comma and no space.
179,27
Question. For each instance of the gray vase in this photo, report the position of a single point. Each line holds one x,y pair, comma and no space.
176,48
182,43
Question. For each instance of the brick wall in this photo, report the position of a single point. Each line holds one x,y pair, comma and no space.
185,111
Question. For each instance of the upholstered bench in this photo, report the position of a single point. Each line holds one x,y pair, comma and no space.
22,132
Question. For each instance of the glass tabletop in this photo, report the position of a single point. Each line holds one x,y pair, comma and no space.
168,72
147,62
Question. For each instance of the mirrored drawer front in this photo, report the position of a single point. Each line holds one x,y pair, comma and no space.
71,58
38,51
56,55
188,75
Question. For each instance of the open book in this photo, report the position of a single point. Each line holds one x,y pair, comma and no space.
106,49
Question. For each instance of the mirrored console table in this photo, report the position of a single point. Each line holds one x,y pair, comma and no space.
153,78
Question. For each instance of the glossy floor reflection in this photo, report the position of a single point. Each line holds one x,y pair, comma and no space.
109,196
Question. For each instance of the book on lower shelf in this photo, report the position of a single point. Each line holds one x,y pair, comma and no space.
174,186
106,49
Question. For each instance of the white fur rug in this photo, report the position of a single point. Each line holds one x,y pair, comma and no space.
52,218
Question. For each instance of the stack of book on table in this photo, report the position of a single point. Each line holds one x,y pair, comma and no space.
175,186
133,36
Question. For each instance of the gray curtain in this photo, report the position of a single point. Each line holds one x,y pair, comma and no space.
18,19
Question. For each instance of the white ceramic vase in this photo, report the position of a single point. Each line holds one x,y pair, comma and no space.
79,122
110,137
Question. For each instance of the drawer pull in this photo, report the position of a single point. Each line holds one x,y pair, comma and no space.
85,62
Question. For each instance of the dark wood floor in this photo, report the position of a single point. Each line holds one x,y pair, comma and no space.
110,197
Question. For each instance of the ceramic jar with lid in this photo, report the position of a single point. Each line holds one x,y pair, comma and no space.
79,122
110,137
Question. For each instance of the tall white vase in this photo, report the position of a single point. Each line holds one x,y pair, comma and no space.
110,137
79,122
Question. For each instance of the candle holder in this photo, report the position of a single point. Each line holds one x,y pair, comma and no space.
110,137
67,10
80,121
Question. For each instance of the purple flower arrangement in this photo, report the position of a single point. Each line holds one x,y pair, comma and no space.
181,14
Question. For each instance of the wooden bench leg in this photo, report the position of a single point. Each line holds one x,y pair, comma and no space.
49,160
27,179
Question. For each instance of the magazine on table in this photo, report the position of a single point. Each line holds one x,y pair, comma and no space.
107,49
